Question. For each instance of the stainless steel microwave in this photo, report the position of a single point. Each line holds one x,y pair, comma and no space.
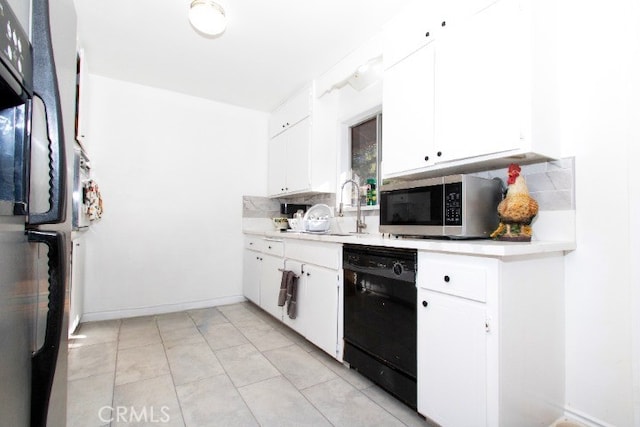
455,206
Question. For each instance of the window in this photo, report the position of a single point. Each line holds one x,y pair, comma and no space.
365,139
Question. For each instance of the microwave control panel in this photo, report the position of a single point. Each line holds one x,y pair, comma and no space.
453,203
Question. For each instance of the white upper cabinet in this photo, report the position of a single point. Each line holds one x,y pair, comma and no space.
289,165
414,27
478,91
407,113
420,22
290,112
301,157
478,83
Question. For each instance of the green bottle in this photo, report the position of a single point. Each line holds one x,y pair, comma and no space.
371,191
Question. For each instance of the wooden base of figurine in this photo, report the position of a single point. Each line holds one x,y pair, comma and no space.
510,232
506,238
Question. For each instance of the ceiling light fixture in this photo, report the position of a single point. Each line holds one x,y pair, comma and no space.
207,17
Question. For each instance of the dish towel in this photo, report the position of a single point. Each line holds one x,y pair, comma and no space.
287,276
288,293
292,305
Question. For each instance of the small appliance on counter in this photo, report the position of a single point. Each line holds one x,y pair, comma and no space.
291,217
288,210
454,206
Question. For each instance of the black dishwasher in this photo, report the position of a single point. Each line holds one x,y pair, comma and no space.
380,316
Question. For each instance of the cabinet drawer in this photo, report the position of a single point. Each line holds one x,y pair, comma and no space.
254,243
273,247
454,278
321,254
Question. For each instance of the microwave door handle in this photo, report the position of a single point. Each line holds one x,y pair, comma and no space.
43,362
45,87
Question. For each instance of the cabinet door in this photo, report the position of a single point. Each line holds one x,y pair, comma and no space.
409,30
251,272
277,174
290,112
298,107
408,96
321,310
451,359
297,157
270,279
478,83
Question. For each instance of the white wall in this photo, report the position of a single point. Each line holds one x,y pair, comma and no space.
598,57
172,170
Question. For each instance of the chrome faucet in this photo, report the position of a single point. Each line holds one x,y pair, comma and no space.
360,225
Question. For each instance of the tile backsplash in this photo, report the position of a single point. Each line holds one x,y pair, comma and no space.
551,183
264,207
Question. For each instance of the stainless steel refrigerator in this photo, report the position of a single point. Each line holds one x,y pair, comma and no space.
33,230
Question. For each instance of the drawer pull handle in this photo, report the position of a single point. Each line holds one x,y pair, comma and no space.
447,279
424,303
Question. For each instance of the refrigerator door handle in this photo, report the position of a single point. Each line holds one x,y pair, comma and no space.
45,87
44,360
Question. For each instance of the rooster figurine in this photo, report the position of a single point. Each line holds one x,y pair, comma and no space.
516,210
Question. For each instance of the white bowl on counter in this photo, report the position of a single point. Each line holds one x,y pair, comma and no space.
317,225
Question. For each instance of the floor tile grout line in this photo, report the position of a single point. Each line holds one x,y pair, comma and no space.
115,371
227,373
173,380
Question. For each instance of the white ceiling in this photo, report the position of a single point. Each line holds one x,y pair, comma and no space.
270,48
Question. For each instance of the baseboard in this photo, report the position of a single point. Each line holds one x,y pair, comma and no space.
580,419
159,309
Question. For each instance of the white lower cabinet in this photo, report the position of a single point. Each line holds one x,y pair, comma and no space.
490,339
318,268
452,338
263,261
321,295
252,269
270,279
300,322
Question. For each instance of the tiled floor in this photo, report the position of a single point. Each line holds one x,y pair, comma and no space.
232,365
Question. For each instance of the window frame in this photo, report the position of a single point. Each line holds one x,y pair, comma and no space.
345,167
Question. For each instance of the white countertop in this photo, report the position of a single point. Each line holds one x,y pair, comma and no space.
464,247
